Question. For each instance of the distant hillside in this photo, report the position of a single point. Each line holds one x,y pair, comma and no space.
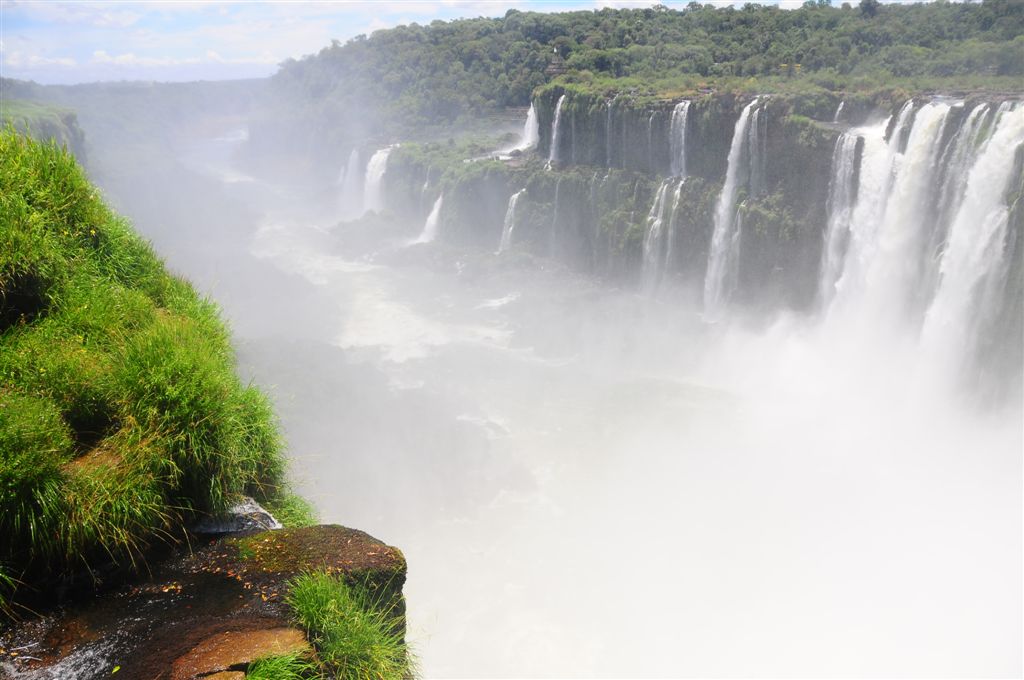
403,82
45,122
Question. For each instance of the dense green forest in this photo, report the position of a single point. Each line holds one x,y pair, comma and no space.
415,75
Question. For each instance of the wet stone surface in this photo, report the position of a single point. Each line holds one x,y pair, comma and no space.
234,586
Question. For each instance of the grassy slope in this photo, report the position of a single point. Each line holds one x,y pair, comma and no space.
120,411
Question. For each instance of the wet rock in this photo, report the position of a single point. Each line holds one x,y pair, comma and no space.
228,585
233,651
243,517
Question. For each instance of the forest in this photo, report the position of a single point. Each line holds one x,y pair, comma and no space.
418,75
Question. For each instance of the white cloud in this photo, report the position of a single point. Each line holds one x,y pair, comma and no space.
21,60
130,59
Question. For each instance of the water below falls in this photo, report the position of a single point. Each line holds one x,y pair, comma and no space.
591,483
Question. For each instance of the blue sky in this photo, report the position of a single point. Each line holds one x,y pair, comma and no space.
171,40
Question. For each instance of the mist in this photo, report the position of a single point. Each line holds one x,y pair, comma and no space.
589,480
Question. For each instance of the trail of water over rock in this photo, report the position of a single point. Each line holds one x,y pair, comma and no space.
429,232
556,124
508,228
373,200
724,253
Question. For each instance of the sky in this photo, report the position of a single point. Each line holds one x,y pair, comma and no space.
54,42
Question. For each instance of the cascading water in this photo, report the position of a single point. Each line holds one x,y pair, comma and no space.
352,187
429,232
531,131
927,227
755,152
510,222
892,276
874,182
722,258
555,127
375,169
650,141
842,192
677,137
672,227
839,112
974,260
955,167
654,239
608,133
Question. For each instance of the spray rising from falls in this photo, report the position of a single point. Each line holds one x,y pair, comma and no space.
724,254
677,141
555,125
429,232
974,262
918,244
884,280
510,222
352,187
375,169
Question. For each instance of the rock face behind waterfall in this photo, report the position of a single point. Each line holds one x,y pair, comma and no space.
614,200
591,210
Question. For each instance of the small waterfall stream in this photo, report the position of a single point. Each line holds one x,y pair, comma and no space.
375,169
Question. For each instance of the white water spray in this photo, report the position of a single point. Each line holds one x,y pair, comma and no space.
974,260
722,259
555,125
677,137
841,197
429,232
373,199
352,187
510,222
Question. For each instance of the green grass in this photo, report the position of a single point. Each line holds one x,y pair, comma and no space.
294,666
354,636
121,414
292,510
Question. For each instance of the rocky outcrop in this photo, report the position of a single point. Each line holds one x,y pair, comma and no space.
211,610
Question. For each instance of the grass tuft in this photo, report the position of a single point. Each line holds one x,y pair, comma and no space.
356,638
294,666
121,414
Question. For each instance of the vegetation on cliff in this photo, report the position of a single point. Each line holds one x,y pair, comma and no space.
44,121
121,415
415,77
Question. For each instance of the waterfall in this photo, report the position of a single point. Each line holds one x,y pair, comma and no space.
677,138
756,152
955,167
842,190
352,188
722,258
653,252
608,134
510,222
672,221
892,276
650,142
375,169
429,232
839,112
553,151
531,131
874,182
974,260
